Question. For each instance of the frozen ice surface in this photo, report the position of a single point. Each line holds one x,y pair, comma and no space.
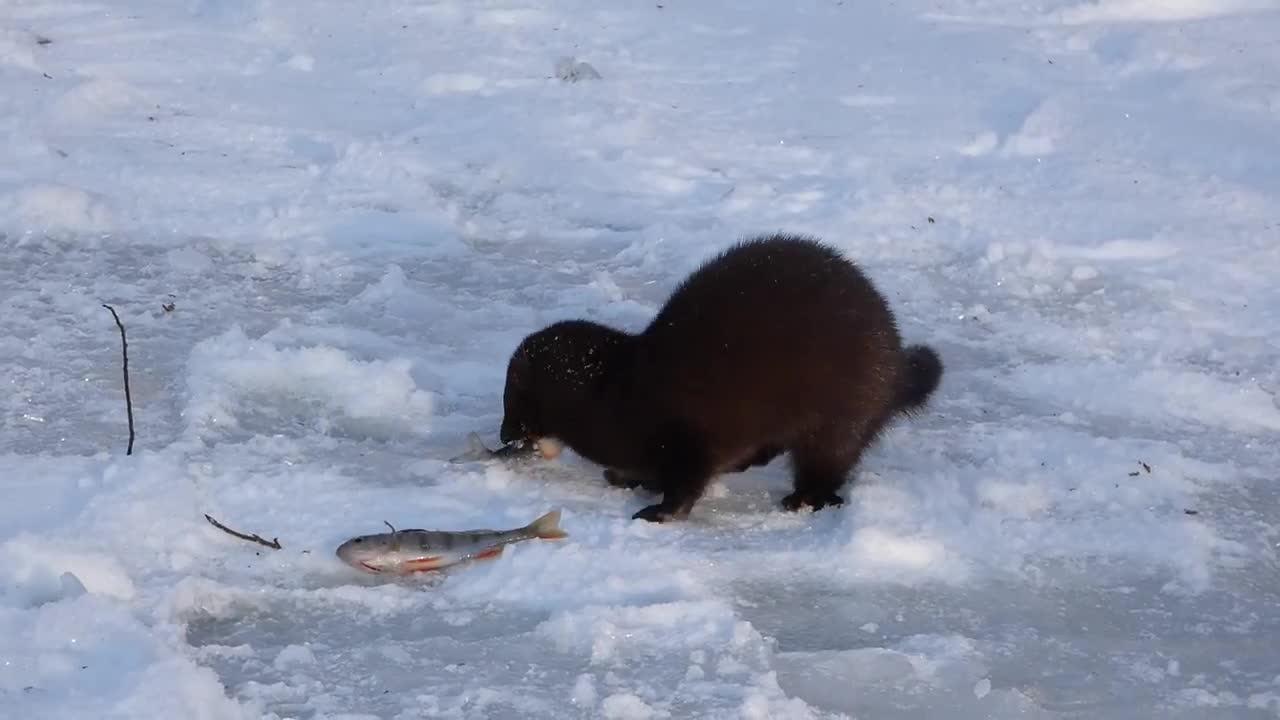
326,225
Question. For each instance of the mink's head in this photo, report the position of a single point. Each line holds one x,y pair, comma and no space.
554,379
521,405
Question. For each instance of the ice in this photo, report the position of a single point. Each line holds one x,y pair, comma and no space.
326,225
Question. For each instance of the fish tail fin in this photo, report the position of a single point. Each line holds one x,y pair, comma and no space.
547,527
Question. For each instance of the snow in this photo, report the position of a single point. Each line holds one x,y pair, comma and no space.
325,226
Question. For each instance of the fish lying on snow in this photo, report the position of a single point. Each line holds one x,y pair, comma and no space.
477,450
408,551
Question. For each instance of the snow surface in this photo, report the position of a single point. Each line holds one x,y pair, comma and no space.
357,210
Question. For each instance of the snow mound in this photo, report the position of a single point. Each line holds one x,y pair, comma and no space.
239,384
89,656
58,210
38,572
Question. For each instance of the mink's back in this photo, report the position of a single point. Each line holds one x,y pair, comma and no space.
767,337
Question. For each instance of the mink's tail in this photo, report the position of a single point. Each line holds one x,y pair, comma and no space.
922,372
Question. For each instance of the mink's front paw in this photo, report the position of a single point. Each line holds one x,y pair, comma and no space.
621,479
658,513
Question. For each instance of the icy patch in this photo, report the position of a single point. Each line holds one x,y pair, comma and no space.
921,673
238,383
17,49
982,688
454,83
532,575
617,635
301,63
1122,249
690,652
507,18
1110,11
96,99
1040,131
626,706
865,100
584,691
1154,393
889,554
293,656
982,144
38,588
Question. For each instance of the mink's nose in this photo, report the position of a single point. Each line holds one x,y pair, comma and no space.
510,432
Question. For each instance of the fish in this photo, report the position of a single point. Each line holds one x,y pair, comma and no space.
402,552
548,448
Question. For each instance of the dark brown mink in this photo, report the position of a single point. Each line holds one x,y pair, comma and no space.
778,344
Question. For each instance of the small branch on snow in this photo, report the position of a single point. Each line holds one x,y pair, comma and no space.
274,544
128,397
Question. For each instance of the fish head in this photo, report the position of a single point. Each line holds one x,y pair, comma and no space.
371,553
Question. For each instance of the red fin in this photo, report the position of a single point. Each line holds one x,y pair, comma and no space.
488,554
423,564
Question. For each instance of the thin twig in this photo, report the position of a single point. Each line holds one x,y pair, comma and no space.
128,397
274,544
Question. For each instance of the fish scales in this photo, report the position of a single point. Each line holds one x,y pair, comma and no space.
420,550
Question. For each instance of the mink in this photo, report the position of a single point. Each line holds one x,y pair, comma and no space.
777,345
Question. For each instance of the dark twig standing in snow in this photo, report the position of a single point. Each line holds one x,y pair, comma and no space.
274,544
128,398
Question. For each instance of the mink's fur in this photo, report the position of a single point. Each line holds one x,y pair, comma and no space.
777,345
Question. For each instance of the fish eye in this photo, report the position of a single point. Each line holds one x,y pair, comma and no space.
359,540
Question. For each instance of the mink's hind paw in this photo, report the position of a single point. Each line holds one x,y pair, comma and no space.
796,500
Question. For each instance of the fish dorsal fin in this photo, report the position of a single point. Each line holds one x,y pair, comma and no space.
476,450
